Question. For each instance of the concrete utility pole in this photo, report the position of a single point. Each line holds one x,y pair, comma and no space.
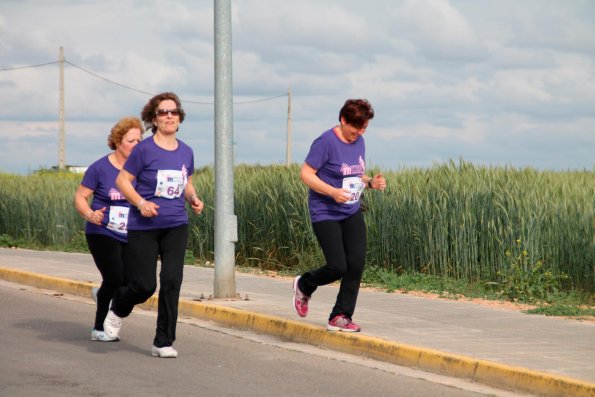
226,227
61,156
288,150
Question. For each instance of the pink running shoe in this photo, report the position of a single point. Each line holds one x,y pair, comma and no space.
342,323
300,300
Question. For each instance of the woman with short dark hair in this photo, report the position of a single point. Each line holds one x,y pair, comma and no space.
334,172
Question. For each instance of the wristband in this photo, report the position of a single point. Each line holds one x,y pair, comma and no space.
370,184
88,215
139,204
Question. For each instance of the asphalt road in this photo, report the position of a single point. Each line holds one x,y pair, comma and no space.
46,350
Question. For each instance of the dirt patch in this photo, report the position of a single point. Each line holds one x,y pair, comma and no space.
497,304
461,298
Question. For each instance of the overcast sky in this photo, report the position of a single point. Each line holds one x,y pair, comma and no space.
492,82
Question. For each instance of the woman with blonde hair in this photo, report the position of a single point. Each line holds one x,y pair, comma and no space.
107,216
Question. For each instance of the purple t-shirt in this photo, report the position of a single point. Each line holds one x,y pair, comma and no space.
101,178
339,164
161,177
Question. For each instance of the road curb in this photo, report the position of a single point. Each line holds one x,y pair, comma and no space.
480,371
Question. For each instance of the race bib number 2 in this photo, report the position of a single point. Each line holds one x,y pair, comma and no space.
170,184
118,219
355,186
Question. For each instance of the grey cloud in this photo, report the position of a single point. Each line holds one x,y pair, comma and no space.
439,31
447,79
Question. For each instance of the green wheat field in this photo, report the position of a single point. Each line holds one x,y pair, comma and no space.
456,219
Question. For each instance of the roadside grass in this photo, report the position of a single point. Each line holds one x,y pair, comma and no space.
442,286
577,312
7,241
574,304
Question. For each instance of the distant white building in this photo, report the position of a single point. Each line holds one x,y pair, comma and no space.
77,169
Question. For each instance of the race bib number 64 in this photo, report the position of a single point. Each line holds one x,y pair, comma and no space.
170,184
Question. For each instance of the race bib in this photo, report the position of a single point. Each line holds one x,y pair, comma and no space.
118,219
170,184
355,186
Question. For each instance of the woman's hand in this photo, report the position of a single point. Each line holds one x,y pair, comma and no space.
340,195
378,182
148,209
196,204
95,216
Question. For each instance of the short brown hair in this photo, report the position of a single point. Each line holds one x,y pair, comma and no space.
356,112
148,113
121,128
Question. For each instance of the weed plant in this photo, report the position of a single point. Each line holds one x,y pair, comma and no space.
526,280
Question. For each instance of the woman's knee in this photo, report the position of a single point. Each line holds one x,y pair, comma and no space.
144,290
337,270
356,265
116,280
170,282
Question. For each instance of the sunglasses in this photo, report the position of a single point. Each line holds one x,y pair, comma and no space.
164,112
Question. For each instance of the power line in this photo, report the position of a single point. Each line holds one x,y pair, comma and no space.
149,93
106,79
28,66
261,100
136,89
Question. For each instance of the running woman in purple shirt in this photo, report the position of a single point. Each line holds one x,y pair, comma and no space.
334,171
161,169
107,216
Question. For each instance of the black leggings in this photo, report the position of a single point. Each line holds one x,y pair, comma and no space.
144,246
343,244
108,256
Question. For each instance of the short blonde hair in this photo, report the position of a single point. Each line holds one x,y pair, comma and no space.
121,128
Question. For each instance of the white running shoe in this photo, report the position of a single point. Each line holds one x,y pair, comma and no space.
112,325
94,291
164,352
101,336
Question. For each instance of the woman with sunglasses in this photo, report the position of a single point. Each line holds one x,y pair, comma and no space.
107,216
156,180
334,171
